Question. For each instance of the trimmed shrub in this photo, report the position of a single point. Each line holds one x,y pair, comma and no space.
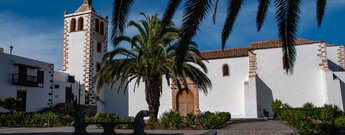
171,119
329,113
308,105
106,117
214,120
189,120
310,120
340,122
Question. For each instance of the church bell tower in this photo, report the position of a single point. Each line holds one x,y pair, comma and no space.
84,44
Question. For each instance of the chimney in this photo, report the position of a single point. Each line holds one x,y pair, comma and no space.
1,50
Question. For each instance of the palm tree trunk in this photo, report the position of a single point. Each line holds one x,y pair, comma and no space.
153,93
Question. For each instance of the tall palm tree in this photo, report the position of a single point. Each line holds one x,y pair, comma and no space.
195,11
151,57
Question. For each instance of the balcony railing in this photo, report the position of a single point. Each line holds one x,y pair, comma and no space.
24,80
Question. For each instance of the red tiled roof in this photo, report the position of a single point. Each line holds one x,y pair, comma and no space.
241,52
226,53
277,43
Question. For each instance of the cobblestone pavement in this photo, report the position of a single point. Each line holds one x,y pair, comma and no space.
257,127
240,127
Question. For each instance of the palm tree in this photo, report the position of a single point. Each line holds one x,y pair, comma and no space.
151,57
195,11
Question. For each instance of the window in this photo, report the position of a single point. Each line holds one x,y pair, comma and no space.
40,78
225,70
98,66
102,28
99,47
97,25
70,79
73,23
56,86
80,23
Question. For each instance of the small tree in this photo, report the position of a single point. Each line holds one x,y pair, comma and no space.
9,103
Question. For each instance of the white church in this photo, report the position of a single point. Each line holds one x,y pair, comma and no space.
245,80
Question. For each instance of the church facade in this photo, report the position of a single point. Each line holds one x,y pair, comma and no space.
245,80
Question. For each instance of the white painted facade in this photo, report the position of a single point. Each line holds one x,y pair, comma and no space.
49,93
37,97
246,96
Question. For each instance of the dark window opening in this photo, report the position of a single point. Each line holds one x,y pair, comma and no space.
102,28
80,24
99,47
98,66
226,70
70,79
40,78
97,25
73,23
56,86
21,107
69,95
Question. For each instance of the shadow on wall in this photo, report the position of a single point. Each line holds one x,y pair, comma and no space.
342,87
334,67
264,97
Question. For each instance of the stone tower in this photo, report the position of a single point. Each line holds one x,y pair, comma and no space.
84,45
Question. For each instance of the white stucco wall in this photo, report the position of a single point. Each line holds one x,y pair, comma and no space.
227,93
137,101
340,76
304,85
115,101
60,79
230,89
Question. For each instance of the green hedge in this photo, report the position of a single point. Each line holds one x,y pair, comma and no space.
110,117
206,120
34,120
50,119
309,120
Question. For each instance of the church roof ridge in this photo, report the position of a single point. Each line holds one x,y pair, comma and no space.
243,51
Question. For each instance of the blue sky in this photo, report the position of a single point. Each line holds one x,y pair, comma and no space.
35,27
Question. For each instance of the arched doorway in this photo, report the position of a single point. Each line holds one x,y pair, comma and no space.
185,102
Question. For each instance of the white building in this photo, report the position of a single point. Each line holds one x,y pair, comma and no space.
245,80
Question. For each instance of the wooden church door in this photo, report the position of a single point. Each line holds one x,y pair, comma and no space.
185,103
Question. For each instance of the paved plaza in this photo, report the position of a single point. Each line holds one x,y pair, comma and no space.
239,127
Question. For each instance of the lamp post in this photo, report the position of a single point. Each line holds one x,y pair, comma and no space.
11,49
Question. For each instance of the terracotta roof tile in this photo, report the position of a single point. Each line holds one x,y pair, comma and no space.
85,7
241,52
226,53
276,43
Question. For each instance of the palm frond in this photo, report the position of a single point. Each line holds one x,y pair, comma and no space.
232,13
194,13
287,16
261,14
320,10
215,12
169,12
120,14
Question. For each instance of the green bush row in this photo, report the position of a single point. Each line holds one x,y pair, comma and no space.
50,119
309,120
110,117
206,120
34,120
